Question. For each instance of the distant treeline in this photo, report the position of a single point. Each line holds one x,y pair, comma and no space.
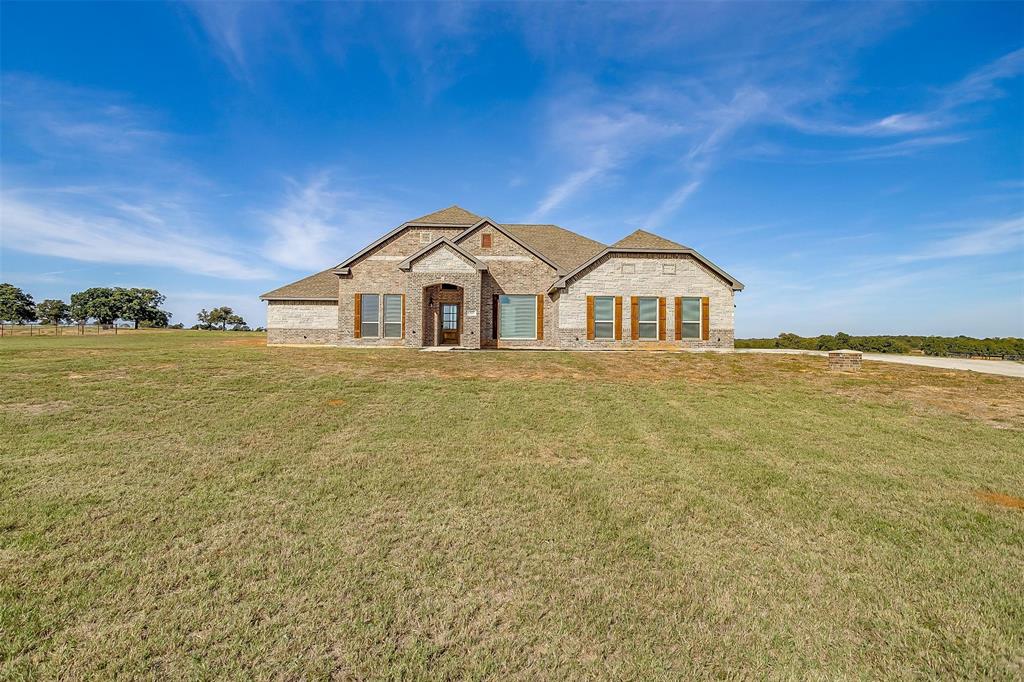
929,345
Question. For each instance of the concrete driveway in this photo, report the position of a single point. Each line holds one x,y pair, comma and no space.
1004,368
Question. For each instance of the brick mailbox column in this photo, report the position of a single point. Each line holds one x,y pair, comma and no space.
844,360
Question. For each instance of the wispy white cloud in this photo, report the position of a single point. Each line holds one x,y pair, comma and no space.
47,224
596,138
980,85
577,180
141,205
58,119
672,203
988,238
984,83
705,116
239,30
746,105
319,221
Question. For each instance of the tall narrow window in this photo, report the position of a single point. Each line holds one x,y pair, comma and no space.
517,317
392,316
648,319
691,318
370,316
604,317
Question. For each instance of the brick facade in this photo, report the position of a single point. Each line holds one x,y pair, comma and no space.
844,360
378,273
511,269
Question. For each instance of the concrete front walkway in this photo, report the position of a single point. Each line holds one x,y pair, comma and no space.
1004,368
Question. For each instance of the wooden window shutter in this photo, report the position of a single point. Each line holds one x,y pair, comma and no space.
590,318
679,318
634,317
540,317
661,318
358,331
705,318
618,318
403,316
494,316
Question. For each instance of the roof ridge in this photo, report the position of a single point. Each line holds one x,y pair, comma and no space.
641,238
452,215
561,245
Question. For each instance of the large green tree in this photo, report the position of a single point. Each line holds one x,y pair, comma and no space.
141,305
53,311
15,305
98,303
222,317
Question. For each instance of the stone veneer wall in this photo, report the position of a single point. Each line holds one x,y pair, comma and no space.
511,269
651,276
314,322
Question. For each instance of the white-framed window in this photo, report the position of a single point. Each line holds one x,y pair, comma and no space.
691,317
369,316
604,317
392,316
668,269
648,318
629,268
517,316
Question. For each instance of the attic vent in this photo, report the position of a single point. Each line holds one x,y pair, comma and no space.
425,237
485,240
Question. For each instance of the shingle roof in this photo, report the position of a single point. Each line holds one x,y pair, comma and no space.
453,215
641,239
322,285
564,247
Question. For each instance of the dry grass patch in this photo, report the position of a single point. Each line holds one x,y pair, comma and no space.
1001,499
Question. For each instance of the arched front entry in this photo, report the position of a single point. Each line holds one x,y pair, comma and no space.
444,312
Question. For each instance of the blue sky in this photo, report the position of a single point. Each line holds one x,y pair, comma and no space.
860,167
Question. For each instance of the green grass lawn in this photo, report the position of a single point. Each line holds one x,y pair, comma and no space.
195,504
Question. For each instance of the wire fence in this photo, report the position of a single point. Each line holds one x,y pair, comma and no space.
59,329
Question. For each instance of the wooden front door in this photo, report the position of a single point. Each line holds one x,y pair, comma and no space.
450,324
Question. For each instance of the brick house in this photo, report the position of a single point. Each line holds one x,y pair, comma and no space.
455,278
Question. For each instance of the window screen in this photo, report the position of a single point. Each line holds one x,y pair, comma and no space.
604,317
517,317
392,316
691,318
648,325
369,316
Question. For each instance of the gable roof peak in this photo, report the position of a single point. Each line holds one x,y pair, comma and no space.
440,243
642,239
453,215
